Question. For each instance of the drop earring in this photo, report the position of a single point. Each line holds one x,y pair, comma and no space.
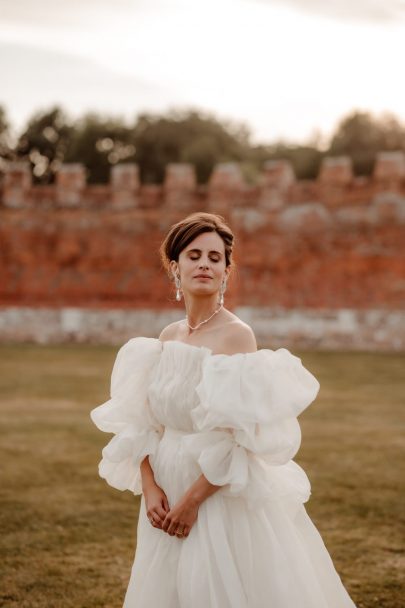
178,285
221,293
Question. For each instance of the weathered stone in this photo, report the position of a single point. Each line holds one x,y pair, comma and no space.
17,185
324,248
226,187
390,166
179,186
336,171
226,177
125,185
276,180
387,207
70,184
274,327
308,218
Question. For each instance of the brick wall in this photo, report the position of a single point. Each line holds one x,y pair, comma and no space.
303,248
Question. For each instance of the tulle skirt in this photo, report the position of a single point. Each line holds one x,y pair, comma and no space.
234,557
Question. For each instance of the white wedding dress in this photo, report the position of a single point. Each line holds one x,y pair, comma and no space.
234,419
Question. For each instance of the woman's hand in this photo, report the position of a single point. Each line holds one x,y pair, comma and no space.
156,503
180,519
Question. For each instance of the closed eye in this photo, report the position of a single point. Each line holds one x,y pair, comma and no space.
213,259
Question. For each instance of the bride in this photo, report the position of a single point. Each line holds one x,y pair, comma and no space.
205,429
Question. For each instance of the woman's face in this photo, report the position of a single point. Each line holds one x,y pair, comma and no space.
205,255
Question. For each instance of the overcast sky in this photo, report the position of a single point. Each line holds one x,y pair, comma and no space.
286,68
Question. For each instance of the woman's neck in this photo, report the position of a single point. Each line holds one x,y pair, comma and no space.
198,311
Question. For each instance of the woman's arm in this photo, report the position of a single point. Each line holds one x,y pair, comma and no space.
148,479
200,490
156,503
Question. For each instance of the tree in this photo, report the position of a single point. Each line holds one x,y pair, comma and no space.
180,136
44,143
361,136
186,136
5,141
305,159
99,143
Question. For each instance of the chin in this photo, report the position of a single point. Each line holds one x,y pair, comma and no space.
206,292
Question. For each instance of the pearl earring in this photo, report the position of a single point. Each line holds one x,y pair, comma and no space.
178,285
221,293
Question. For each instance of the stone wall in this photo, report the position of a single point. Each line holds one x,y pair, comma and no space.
320,263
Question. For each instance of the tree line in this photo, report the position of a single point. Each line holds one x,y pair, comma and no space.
50,138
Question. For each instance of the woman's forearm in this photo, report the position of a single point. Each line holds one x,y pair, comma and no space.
197,492
200,490
147,475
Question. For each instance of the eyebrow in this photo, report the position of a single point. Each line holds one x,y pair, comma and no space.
199,251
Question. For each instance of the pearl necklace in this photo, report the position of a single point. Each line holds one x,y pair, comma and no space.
202,322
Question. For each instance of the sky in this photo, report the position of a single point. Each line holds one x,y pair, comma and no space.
288,69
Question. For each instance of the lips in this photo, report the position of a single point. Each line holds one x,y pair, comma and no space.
202,276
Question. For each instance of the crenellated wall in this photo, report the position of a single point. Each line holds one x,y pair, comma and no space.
327,247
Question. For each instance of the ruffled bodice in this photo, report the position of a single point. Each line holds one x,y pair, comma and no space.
234,417
172,391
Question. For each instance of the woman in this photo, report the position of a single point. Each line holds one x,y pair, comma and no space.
205,428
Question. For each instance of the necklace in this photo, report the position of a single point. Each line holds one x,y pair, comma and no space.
202,322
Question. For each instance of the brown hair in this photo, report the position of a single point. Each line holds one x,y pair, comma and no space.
185,231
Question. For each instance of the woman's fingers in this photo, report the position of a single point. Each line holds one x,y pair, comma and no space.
183,531
170,525
174,527
161,513
154,521
155,517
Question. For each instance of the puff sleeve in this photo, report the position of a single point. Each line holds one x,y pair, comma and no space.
127,414
246,424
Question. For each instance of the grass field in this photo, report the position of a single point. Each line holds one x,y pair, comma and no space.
68,539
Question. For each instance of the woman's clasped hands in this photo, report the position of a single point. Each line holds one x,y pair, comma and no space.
177,521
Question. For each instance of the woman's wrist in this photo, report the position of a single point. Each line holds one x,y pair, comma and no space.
148,484
194,497
200,490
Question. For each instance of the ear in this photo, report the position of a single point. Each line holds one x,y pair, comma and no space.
173,267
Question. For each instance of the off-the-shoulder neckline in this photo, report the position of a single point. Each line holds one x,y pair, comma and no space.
261,351
209,350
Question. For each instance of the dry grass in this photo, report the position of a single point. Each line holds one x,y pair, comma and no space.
68,539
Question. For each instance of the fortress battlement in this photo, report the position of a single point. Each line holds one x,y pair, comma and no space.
277,189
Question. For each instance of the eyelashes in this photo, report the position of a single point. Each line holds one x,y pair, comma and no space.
212,259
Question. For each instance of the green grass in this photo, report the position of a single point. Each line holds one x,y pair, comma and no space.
68,539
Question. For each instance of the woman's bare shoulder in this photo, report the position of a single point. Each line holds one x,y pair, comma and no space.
170,332
239,337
